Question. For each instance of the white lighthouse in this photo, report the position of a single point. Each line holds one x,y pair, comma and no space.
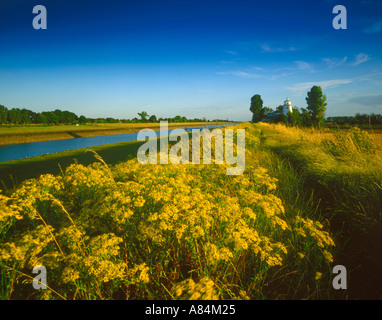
287,107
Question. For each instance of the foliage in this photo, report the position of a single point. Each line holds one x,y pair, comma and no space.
316,101
256,108
342,171
18,116
136,231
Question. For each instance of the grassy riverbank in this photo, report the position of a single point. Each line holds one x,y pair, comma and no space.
12,134
341,172
307,201
13,173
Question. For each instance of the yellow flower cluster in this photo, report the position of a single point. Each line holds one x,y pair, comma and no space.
205,289
313,229
133,230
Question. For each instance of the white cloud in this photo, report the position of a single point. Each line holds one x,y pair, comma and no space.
267,48
301,88
241,74
304,66
233,53
361,58
334,62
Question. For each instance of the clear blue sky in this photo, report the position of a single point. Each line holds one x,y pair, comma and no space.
194,58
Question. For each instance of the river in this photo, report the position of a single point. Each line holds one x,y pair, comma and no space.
32,149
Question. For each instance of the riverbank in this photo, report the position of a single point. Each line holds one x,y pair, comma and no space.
340,171
26,134
14,172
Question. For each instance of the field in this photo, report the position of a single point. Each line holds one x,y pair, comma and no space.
376,134
12,134
116,229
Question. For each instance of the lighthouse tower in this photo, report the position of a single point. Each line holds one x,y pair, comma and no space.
287,107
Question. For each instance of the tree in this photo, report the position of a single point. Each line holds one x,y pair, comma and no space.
3,114
82,119
255,108
153,118
26,116
41,118
294,117
316,101
279,109
177,119
14,116
143,115
305,118
264,112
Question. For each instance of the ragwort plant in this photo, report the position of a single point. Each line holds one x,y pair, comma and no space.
137,231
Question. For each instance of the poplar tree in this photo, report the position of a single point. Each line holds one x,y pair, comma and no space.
316,101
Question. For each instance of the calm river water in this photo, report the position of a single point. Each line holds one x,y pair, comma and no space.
25,150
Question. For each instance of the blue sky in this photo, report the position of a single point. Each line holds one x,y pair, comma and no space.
193,58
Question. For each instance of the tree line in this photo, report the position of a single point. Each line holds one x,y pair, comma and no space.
312,115
357,119
24,116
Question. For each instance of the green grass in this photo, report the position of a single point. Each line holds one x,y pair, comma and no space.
13,173
197,232
332,177
342,174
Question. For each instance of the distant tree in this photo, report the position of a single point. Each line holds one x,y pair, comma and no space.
305,118
60,116
294,117
279,109
153,118
283,119
362,118
177,119
41,118
82,119
25,116
264,112
111,120
143,115
69,117
3,114
255,107
316,101
14,116
51,117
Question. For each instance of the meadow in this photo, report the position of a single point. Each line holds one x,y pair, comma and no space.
341,171
308,200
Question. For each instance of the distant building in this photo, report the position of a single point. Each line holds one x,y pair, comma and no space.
272,117
276,116
287,107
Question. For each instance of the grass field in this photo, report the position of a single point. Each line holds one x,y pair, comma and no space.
307,201
342,171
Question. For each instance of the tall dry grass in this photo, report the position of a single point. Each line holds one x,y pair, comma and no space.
343,170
